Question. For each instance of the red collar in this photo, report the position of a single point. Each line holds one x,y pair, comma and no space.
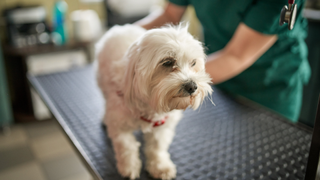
156,123
119,93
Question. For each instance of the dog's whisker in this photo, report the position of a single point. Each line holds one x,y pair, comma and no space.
210,99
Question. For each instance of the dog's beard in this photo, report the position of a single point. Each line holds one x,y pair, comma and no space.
168,94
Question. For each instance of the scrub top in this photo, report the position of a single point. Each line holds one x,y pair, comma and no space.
276,79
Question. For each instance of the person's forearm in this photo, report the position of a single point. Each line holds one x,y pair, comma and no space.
172,14
223,66
153,20
245,47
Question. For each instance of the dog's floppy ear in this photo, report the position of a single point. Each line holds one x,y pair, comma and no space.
131,81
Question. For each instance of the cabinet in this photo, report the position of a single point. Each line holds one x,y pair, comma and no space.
26,104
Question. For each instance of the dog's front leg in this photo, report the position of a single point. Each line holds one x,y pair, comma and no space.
158,162
126,149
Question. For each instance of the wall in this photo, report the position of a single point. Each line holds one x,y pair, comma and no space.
195,27
99,7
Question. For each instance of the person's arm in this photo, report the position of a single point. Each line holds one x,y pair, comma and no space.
245,47
171,14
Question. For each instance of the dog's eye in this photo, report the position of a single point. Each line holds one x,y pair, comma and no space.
193,63
168,63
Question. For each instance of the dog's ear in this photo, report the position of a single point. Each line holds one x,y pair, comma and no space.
131,83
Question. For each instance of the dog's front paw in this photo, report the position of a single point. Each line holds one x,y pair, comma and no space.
162,169
130,169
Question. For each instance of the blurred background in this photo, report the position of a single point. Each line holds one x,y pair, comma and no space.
45,36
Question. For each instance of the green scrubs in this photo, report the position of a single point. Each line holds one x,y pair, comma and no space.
276,79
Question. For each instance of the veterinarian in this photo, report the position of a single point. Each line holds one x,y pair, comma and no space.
249,54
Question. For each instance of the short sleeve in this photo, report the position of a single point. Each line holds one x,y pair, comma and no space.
263,16
180,2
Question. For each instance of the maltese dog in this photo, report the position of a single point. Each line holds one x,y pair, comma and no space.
148,78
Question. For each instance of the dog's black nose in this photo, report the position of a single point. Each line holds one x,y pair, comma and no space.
190,87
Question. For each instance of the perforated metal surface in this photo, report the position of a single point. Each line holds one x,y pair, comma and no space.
226,141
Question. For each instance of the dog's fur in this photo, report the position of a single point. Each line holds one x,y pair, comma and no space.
144,74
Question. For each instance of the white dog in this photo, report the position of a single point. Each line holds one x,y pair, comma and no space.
148,78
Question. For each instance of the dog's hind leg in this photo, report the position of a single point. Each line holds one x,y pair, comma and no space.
158,162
